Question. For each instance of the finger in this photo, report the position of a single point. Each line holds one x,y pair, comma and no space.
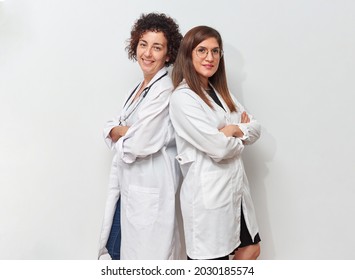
244,116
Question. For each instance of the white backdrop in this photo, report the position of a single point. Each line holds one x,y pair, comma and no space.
64,72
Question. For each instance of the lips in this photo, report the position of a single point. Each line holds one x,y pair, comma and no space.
147,62
208,66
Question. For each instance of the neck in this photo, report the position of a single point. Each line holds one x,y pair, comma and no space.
146,81
149,76
206,87
204,83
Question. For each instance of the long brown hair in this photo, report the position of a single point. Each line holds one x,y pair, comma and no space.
184,68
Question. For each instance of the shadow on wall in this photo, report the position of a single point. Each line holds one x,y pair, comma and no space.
255,157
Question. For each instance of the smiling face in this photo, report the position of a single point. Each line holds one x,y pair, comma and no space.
206,66
152,51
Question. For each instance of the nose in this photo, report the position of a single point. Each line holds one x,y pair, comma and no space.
148,52
209,56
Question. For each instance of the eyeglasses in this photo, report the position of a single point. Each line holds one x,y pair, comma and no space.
202,52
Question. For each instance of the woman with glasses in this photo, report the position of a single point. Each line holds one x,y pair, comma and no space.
212,128
140,220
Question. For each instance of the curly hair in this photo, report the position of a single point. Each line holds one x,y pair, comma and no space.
157,23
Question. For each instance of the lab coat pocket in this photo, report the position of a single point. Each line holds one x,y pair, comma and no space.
142,205
216,189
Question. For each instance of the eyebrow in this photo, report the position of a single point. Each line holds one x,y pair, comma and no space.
154,44
218,47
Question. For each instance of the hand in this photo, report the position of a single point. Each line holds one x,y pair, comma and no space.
232,130
117,132
244,118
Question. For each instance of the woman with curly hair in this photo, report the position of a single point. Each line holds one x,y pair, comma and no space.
140,219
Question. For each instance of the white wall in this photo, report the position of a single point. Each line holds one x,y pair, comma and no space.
64,72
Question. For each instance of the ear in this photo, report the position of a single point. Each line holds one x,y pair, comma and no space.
167,59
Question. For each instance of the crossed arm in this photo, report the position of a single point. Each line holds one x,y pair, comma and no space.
117,132
232,130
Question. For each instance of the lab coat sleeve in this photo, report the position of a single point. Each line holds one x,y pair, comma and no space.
251,129
106,133
148,134
191,122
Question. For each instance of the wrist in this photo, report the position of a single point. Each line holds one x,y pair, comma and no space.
238,132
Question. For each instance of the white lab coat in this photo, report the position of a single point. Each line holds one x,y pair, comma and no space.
215,185
146,175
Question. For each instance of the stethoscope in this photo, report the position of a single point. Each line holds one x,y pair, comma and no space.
143,95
